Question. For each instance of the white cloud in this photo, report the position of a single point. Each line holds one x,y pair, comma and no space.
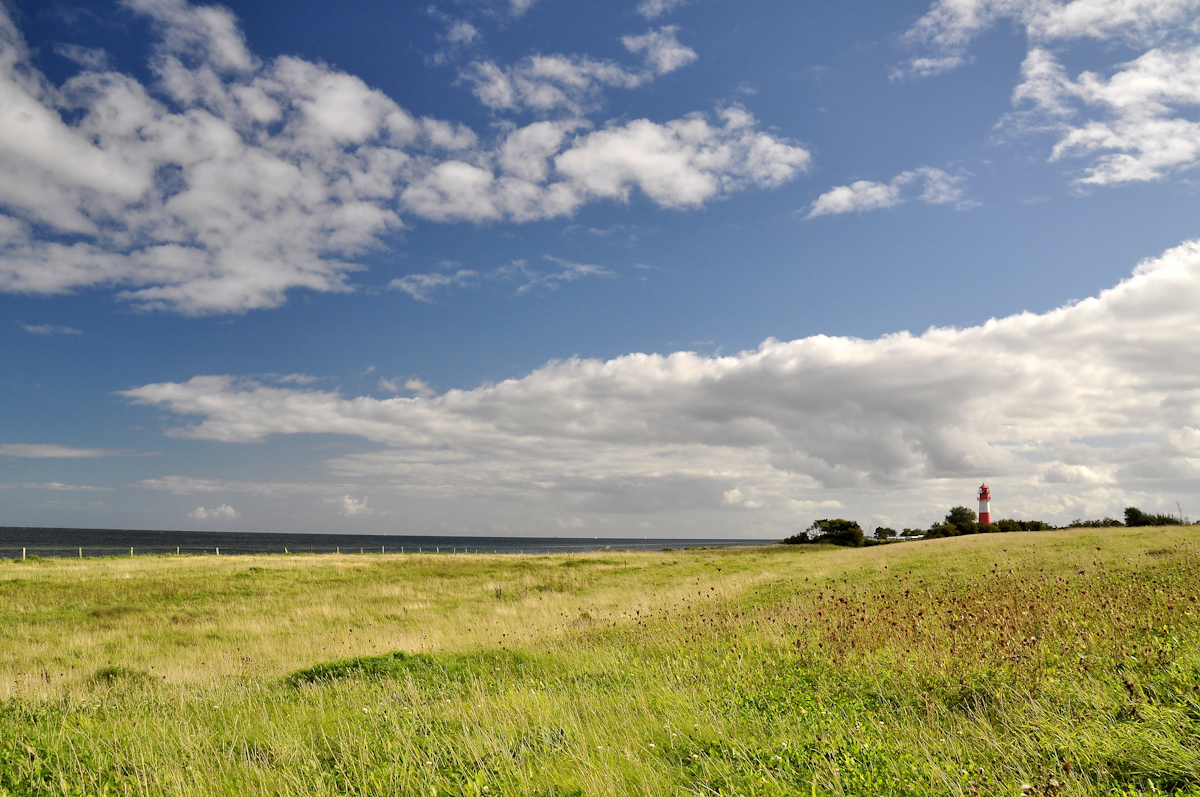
1146,128
529,278
1036,404
462,33
663,51
422,286
682,163
57,486
949,27
233,180
545,83
49,329
1134,121
191,485
51,451
653,9
419,388
87,57
519,7
937,188
222,512
351,507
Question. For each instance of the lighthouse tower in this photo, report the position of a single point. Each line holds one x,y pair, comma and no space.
985,504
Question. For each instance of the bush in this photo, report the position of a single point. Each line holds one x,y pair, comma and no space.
942,530
1136,517
1108,522
1008,524
884,533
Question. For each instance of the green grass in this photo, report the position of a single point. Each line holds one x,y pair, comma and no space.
1054,663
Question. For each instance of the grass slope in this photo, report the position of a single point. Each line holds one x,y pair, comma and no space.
1055,663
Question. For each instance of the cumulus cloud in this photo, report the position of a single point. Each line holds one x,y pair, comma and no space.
1039,404
653,9
462,32
936,188
519,7
52,451
1133,121
1146,108
351,506
222,512
545,83
233,180
946,31
682,163
663,51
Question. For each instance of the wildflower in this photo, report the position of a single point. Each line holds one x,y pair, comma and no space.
652,745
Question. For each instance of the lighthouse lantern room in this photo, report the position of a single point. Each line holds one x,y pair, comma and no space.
985,504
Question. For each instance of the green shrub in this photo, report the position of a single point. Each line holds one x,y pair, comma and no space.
1107,522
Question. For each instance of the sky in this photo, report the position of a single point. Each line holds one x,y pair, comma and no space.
650,268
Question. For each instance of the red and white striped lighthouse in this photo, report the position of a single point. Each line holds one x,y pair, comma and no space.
985,503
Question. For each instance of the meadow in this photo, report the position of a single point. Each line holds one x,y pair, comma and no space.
1040,663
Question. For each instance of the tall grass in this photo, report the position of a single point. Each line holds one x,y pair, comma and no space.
1054,663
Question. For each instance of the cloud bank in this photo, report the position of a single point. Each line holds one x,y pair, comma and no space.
231,180
1067,413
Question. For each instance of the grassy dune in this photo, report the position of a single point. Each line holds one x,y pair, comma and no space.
1054,663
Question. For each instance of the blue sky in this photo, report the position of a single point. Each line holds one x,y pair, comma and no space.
658,268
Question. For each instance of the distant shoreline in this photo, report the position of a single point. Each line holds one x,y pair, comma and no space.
73,542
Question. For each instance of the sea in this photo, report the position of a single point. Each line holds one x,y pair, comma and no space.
16,542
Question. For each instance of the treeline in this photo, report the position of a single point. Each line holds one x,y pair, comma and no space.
962,520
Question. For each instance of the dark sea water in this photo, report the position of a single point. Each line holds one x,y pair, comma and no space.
117,542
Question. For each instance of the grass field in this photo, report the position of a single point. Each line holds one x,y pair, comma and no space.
1049,663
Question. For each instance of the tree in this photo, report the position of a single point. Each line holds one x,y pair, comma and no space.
961,516
884,533
1136,517
837,532
961,519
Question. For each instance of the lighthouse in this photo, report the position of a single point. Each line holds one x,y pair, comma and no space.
985,504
